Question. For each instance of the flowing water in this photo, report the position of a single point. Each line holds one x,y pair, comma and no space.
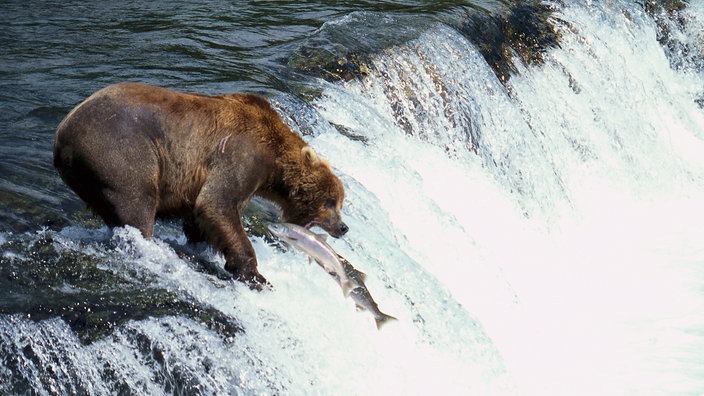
524,192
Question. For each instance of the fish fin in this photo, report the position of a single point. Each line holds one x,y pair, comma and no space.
356,284
310,260
321,237
383,319
347,287
361,275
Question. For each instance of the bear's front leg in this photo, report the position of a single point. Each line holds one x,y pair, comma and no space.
240,258
222,227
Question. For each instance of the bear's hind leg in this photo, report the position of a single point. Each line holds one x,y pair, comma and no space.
117,207
136,209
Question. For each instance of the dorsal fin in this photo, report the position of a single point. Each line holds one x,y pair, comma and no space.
361,275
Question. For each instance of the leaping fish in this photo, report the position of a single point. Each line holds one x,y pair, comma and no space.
349,278
361,295
316,248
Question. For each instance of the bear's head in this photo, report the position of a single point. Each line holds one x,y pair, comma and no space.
316,196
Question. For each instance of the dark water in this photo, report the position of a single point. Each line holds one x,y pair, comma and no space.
83,311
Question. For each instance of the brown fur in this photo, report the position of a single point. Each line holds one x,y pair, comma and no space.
134,152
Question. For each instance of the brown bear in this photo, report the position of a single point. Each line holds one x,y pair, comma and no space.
135,152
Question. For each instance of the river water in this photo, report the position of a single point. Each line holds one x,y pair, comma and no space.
524,192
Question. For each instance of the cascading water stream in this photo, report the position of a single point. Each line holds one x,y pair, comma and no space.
600,148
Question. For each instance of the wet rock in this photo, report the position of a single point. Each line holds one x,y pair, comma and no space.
43,282
343,51
331,65
525,30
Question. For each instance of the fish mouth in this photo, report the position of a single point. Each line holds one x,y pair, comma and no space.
275,229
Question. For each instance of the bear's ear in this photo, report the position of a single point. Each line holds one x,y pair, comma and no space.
309,155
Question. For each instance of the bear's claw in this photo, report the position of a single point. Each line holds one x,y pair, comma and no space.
255,281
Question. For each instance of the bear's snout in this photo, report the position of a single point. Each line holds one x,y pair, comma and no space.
339,230
335,229
343,229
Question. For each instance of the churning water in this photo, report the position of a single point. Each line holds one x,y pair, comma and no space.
538,234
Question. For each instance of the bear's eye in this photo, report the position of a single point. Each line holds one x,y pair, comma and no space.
331,204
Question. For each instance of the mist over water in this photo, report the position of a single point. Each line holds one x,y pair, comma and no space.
541,235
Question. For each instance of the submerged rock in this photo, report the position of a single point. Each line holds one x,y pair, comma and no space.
343,50
42,281
525,30
329,64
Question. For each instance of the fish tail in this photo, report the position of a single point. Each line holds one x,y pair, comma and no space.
382,319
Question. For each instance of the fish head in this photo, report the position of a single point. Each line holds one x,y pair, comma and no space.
278,229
